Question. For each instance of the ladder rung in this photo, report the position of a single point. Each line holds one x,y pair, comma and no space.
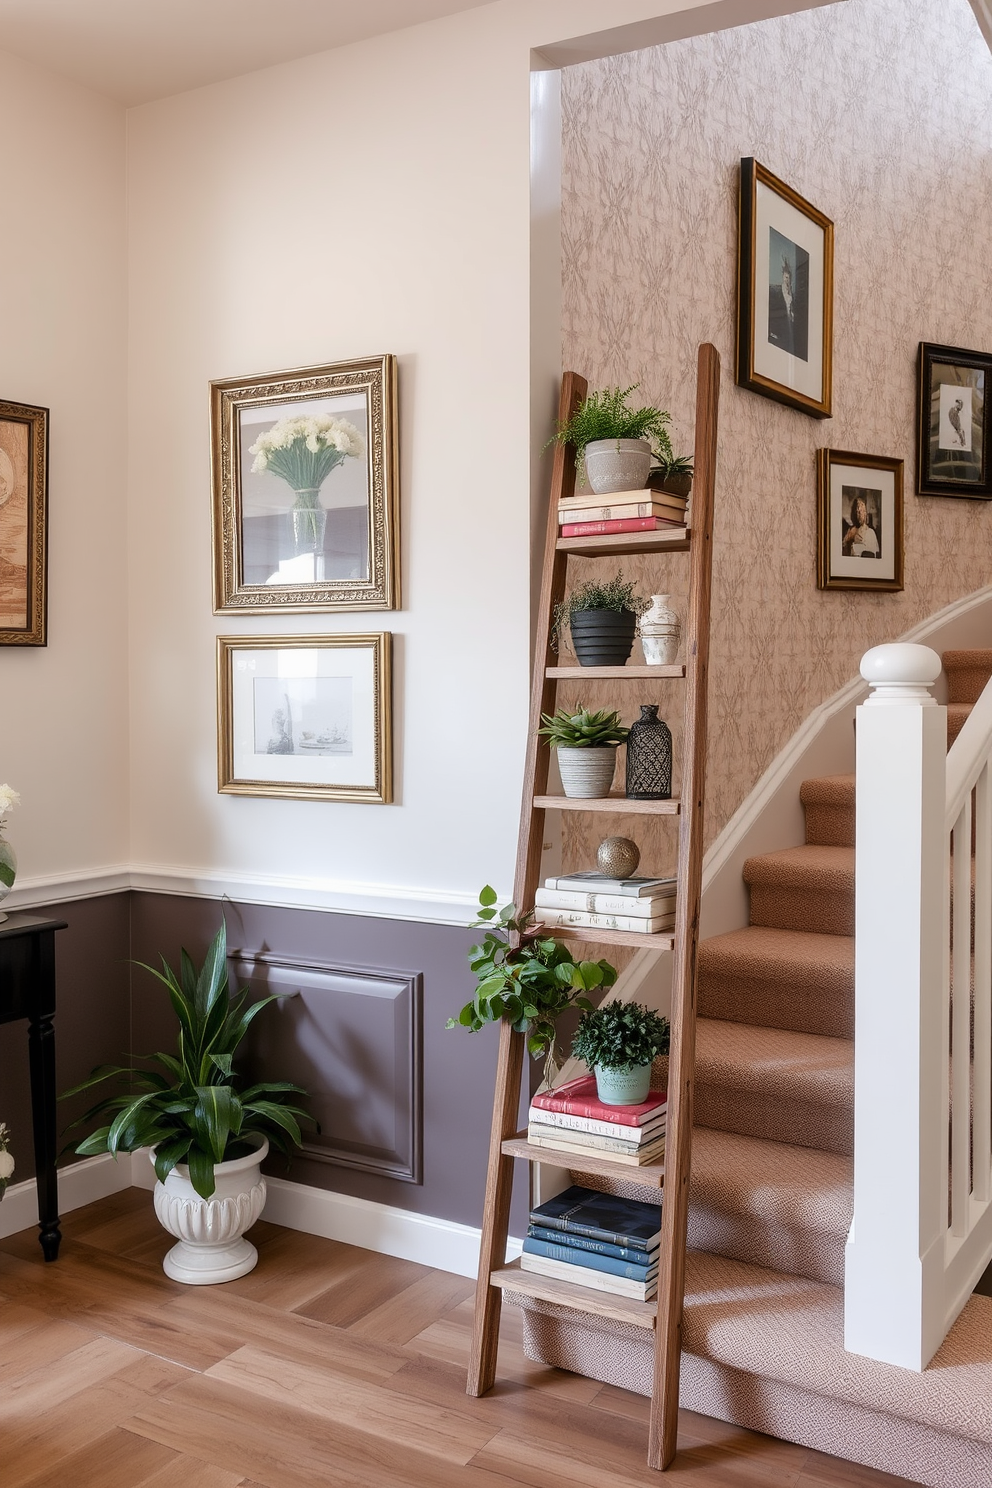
584,1299
607,803
674,540
660,941
652,1175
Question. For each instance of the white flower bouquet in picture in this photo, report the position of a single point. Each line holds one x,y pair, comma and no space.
302,451
8,858
6,1159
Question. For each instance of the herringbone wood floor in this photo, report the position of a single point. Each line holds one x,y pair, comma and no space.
327,1365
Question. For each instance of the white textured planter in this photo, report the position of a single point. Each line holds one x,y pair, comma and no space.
617,464
212,1247
661,632
587,771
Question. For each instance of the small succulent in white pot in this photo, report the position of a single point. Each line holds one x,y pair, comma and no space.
587,745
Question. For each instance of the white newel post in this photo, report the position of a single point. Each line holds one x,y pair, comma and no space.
893,1296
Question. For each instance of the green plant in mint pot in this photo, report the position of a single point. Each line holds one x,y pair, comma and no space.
587,747
601,616
620,1041
614,442
528,977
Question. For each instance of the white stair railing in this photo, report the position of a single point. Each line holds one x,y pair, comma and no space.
922,1230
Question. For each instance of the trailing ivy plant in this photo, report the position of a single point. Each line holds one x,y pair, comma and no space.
582,729
620,1035
606,415
596,594
192,1108
525,975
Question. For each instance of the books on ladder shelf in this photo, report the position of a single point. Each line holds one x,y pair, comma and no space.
572,1119
620,511
593,901
596,1240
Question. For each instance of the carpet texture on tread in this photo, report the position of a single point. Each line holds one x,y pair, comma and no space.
779,979
957,713
967,674
829,805
803,888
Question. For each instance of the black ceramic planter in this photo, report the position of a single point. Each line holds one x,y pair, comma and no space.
603,637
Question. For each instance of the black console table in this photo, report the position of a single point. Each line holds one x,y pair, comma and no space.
27,990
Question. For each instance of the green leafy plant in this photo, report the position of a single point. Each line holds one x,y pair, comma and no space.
527,976
606,415
596,594
674,465
620,1035
582,729
190,1109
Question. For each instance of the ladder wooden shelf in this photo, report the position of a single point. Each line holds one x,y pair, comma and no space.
506,1144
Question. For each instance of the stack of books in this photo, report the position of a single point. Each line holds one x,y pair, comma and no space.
572,1119
596,1240
620,511
596,902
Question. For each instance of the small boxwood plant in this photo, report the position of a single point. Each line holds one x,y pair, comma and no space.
620,1035
582,729
523,974
597,594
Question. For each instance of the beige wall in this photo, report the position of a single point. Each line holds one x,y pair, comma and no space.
880,113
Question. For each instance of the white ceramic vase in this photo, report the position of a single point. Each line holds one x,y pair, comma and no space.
587,770
212,1247
661,632
617,464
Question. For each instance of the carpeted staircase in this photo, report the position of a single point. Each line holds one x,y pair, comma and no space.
771,1194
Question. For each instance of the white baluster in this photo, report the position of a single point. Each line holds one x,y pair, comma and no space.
982,1152
961,1025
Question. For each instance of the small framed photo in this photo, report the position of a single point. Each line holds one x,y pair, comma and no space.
23,525
859,511
305,489
785,293
305,716
952,422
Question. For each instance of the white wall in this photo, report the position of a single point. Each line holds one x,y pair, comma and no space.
63,709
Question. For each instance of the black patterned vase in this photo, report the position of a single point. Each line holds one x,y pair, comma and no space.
649,757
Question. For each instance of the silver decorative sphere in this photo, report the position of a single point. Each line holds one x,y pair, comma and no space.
618,857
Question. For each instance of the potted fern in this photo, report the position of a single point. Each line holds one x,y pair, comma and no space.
208,1134
587,748
614,442
620,1041
601,617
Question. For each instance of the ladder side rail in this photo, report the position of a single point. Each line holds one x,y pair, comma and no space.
509,1066
663,1427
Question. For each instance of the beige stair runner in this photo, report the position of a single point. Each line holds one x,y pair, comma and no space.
771,1193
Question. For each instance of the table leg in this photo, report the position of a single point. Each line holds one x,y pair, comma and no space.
41,1047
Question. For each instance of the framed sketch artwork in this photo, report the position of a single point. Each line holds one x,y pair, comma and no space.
952,422
305,489
860,521
785,277
23,524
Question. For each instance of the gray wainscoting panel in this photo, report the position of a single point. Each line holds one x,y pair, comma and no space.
353,1037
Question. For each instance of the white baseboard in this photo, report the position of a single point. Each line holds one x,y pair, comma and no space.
82,1183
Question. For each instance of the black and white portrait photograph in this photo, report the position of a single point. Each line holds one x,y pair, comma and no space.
788,295
859,521
952,415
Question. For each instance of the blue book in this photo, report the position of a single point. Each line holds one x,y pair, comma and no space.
598,1247
601,1216
589,1260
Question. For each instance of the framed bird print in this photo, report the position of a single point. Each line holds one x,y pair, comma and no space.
952,422
785,292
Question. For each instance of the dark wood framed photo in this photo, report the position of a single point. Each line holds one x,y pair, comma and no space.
785,294
952,422
859,521
23,524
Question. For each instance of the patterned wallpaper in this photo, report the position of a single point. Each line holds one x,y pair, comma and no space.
879,112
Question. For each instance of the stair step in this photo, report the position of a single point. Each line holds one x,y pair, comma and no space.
967,674
779,979
771,1203
829,806
772,1083
803,888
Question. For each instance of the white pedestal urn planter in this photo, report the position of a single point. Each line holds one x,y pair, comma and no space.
210,1232
617,464
587,770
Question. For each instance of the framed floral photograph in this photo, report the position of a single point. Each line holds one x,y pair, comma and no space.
23,525
305,489
952,422
859,521
305,716
785,293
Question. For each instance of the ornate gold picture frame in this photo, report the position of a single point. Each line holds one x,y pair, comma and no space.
305,716
305,489
23,525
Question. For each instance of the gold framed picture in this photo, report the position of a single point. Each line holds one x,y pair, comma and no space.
859,521
23,525
785,293
305,716
305,489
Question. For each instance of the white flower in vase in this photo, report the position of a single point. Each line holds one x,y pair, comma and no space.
8,798
303,451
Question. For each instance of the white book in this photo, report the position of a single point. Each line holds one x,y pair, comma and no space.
646,493
562,918
538,1131
593,903
561,1142
591,882
600,1281
568,1122
621,511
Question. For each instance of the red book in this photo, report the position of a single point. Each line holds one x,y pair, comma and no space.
623,524
579,1098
